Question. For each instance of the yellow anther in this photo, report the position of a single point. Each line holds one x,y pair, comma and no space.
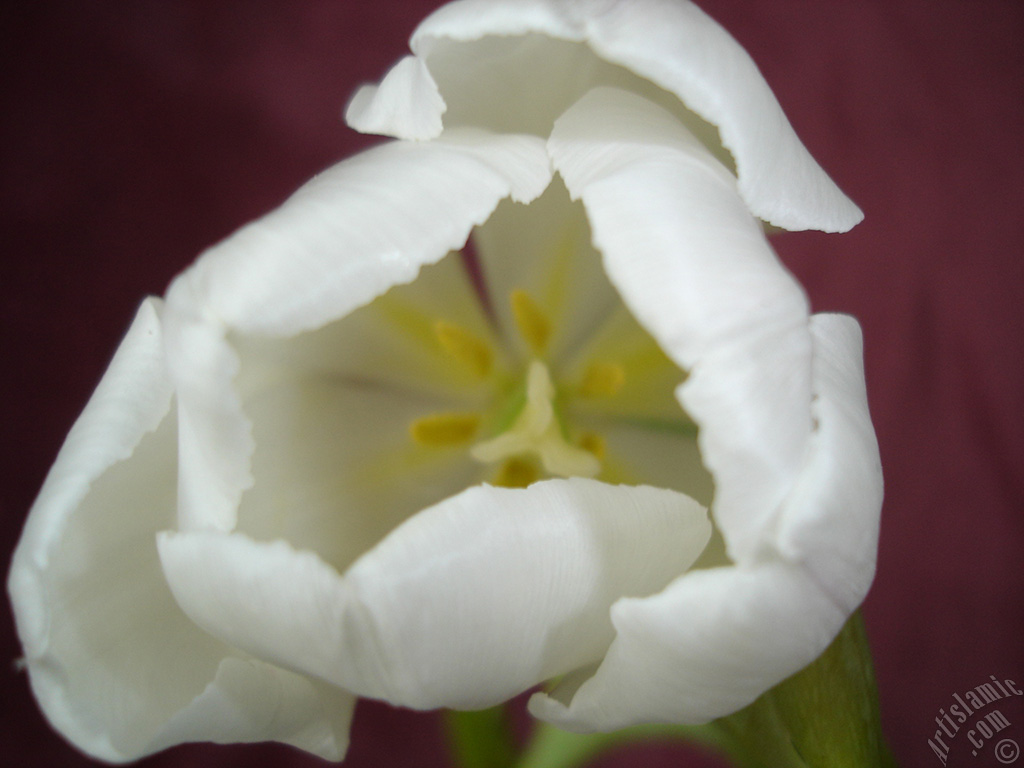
602,380
517,473
533,324
444,429
593,443
464,346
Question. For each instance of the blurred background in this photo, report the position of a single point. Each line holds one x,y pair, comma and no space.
133,135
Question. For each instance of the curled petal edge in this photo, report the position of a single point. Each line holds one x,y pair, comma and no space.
130,401
86,578
413,621
672,44
339,242
696,270
830,520
713,641
406,103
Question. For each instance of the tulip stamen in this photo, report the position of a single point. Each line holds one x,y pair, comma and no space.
602,379
465,346
517,473
531,321
443,430
593,443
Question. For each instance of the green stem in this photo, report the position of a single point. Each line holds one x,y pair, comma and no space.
553,748
480,739
830,708
825,716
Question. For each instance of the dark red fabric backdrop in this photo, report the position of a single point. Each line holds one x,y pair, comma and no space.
132,135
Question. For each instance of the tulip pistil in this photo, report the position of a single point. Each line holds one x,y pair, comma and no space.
537,431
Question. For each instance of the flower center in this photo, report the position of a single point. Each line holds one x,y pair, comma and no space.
508,363
536,431
530,436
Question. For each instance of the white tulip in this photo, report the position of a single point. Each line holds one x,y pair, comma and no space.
282,495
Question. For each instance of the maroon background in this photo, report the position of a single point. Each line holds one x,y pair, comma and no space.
134,134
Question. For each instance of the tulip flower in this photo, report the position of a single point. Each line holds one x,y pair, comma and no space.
349,455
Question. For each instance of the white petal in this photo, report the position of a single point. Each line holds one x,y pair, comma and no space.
664,459
392,341
251,701
708,645
131,400
335,469
464,605
674,45
715,640
406,103
214,436
360,227
334,466
544,249
643,178
752,405
696,270
830,520
472,19
112,660
94,615
351,233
